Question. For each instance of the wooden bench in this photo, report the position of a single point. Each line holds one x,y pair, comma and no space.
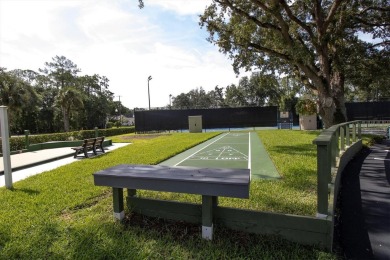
208,182
98,145
90,144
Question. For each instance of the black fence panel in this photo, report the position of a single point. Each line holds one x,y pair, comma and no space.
156,120
368,110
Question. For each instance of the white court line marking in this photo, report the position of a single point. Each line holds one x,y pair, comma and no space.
224,148
228,148
200,150
249,151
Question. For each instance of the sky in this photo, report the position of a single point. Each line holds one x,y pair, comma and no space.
116,39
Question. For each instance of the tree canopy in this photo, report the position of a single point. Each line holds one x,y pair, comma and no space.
311,40
257,89
56,98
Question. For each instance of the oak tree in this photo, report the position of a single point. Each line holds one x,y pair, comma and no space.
312,40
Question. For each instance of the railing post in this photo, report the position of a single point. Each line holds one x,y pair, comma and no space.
323,178
360,130
26,140
342,138
348,136
334,147
354,132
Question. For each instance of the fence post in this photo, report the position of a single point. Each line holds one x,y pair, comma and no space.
323,178
342,138
334,148
27,141
6,148
354,132
348,136
360,130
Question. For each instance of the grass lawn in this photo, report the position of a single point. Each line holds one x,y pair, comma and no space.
61,214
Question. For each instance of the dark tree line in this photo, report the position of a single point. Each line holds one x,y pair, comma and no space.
269,90
56,98
257,90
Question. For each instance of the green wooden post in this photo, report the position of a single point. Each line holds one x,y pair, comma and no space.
323,178
354,132
26,140
348,136
342,138
334,148
209,203
96,132
131,193
360,130
117,194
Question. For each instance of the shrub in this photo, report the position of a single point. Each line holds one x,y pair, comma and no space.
18,143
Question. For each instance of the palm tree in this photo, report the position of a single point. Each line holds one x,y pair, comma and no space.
17,94
69,98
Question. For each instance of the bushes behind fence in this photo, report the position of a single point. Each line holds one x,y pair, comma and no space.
18,143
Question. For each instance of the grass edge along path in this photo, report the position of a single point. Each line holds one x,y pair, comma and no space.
61,214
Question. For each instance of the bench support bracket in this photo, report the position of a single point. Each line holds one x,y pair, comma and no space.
209,203
119,212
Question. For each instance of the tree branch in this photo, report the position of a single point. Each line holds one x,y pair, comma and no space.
371,23
246,15
296,20
270,51
332,11
368,8
379,44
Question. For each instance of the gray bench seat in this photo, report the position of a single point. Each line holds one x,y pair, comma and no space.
208,182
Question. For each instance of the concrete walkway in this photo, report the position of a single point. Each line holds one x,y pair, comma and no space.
365,205
31,163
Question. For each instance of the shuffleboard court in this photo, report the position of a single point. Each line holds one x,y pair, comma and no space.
236,150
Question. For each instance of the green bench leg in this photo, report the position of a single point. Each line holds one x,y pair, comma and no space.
209,203
119,212
85,150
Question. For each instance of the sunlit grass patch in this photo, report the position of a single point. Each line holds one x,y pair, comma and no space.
62,214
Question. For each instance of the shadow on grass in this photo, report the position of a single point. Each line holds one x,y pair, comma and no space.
27,191
301,149
141,237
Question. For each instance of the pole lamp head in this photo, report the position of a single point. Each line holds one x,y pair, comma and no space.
149,78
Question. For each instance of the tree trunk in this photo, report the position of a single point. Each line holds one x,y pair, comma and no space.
65,114
331,101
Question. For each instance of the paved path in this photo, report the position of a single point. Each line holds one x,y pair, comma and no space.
31,163
365,205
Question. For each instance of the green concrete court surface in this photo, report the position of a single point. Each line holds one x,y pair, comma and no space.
237,150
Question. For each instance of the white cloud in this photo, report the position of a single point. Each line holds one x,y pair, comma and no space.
182,7
119,41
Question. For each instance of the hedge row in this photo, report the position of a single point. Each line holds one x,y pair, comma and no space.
19,143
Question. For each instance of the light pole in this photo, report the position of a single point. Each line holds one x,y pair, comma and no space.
149,79
170,103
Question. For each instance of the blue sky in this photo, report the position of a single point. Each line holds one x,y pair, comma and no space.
116,39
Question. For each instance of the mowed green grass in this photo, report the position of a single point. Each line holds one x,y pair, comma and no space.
60,214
